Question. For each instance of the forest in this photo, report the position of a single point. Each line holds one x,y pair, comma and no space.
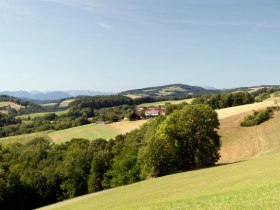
39,172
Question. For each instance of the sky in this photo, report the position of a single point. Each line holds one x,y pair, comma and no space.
117,45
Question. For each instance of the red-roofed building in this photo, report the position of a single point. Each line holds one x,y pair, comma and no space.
154,112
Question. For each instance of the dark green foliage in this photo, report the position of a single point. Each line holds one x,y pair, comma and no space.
125,169
8,119
262,97
225,100
169,108
39,173
257,117
97,102
186,139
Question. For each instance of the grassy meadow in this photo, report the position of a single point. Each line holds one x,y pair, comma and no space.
162,103
13,105
93,131
32,116
252,182
66,102
23,138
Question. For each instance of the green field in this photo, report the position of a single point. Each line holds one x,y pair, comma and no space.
13,105
66,102
91,131
162,103
32,116
23,138
253,184
247,184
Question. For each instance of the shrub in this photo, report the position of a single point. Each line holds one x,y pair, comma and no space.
257,117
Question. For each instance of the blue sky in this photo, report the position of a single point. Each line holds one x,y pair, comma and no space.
115,45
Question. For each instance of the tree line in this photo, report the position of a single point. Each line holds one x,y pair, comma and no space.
219,101
39,172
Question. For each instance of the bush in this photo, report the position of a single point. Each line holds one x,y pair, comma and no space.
257,118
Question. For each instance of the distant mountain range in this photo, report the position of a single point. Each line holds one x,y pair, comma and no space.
166,91
51,95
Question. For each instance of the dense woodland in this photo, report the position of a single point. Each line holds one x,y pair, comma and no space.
40,173
219,101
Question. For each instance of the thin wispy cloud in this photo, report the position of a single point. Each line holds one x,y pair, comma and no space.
105,26
3,10
215,23
14,9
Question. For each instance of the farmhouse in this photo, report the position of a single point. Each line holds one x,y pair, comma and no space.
154,112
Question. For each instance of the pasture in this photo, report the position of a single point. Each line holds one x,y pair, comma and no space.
32,116
11,104
23,138
252,184
162,103
66,102
93,131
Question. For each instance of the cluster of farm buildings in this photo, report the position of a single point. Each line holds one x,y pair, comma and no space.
148,112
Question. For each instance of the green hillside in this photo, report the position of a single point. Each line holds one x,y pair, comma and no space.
174,90
251,184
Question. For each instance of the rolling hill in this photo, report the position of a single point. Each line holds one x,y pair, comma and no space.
247,176
173,90
252,184
50,95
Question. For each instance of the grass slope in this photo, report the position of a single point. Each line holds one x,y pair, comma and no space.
66,102
91,131
162,103
41,114
250,184
13,105
173,90
23,138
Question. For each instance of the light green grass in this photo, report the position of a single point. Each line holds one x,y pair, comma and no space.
23,138
251,184
91,131
162,103
13,105
32,116
49,104
66,102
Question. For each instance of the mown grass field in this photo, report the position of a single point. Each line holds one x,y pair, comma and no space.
13,105
66,102
32,116
23,138
162,103
93,131
251,183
